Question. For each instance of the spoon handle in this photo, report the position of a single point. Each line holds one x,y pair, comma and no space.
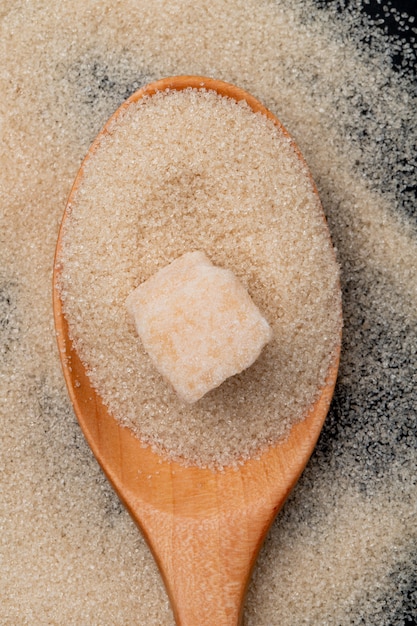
206,561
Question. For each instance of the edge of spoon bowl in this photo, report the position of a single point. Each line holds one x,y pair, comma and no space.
204,528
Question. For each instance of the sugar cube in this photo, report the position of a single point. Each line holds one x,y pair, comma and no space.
198,324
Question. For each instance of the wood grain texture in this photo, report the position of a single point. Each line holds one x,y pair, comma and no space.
204,528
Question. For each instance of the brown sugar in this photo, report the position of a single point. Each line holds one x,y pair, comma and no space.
199,171
343,550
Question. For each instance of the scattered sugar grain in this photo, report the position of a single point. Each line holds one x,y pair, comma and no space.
327,75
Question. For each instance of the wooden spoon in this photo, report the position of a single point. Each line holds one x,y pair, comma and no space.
204,528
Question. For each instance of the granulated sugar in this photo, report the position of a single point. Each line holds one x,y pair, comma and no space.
342,552
184,171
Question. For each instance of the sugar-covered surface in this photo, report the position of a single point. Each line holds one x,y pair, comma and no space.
192,170
343,550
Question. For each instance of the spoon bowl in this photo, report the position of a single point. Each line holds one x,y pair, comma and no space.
204,528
